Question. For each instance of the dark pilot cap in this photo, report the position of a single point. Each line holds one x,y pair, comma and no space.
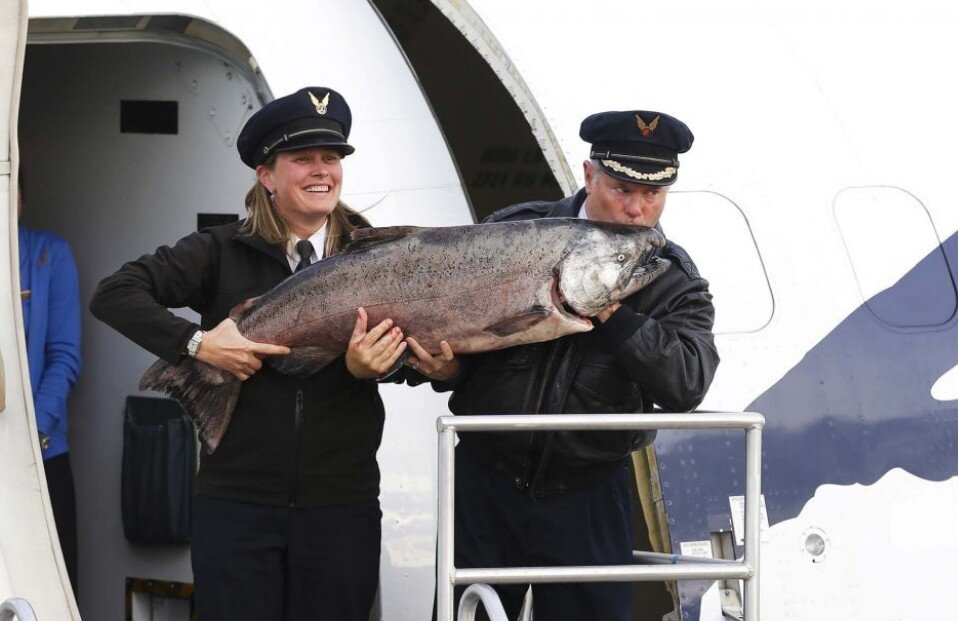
637,146
314,116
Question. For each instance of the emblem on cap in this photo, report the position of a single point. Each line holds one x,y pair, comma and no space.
321,105
646,130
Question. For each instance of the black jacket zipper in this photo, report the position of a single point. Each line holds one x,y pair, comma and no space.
543,455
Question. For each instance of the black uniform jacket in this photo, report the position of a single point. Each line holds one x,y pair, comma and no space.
294,442
657,349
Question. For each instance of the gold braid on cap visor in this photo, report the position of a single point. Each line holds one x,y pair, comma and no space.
662,174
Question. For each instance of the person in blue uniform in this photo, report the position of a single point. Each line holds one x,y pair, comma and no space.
286,523
563,498
50,298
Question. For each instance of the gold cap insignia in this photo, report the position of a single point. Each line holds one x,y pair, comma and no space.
646,130
320,105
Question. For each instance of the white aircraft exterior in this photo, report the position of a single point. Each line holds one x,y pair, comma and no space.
817,199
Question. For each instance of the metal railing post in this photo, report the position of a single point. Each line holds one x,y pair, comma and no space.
17,608
480,594
753,522
444,562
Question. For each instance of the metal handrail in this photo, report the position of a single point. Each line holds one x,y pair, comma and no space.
448,576
660,558
17,608
487,596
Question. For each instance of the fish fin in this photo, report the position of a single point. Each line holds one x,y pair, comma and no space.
303,361
518,323
207,394
237,311
367,238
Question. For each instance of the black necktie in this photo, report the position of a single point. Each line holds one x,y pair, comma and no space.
305,250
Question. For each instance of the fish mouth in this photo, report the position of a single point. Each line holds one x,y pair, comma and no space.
645,274
561,305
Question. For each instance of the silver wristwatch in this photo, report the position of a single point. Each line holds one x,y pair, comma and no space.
193,346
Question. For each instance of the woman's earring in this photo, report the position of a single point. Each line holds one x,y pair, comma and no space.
272,197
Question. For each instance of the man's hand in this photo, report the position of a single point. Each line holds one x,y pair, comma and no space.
443,367
606,312
372,353
225,348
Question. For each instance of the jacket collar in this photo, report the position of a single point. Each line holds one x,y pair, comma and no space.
259,244
569,206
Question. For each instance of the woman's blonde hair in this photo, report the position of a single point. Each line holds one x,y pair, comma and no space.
263,220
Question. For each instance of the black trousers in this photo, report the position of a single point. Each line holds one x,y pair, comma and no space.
500,526
59,476
266,563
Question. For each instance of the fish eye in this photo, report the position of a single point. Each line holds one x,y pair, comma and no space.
620,258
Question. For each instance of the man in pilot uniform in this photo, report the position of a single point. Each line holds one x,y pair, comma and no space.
559,497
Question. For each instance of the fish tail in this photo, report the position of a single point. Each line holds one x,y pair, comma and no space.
207,394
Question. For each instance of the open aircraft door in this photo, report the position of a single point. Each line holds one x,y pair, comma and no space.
31,565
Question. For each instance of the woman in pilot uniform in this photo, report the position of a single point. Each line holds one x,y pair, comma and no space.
286,522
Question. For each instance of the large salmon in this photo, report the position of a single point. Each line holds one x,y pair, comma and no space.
479,287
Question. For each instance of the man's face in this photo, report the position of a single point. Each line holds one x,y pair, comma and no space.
612,200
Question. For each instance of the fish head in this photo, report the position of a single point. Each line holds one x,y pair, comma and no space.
608,263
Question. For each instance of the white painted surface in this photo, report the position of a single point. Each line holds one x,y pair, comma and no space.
945,387
886,553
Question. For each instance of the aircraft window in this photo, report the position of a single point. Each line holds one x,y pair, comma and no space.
149,117
716,234
902,273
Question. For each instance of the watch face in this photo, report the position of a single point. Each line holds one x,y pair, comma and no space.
193,346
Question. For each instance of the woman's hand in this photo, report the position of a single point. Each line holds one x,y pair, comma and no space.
372,353
225,348
442,368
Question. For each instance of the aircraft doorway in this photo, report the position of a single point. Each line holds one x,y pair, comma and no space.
123,146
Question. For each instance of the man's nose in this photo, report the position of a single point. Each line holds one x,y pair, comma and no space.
635,208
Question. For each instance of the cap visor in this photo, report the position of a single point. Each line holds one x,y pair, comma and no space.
321,142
